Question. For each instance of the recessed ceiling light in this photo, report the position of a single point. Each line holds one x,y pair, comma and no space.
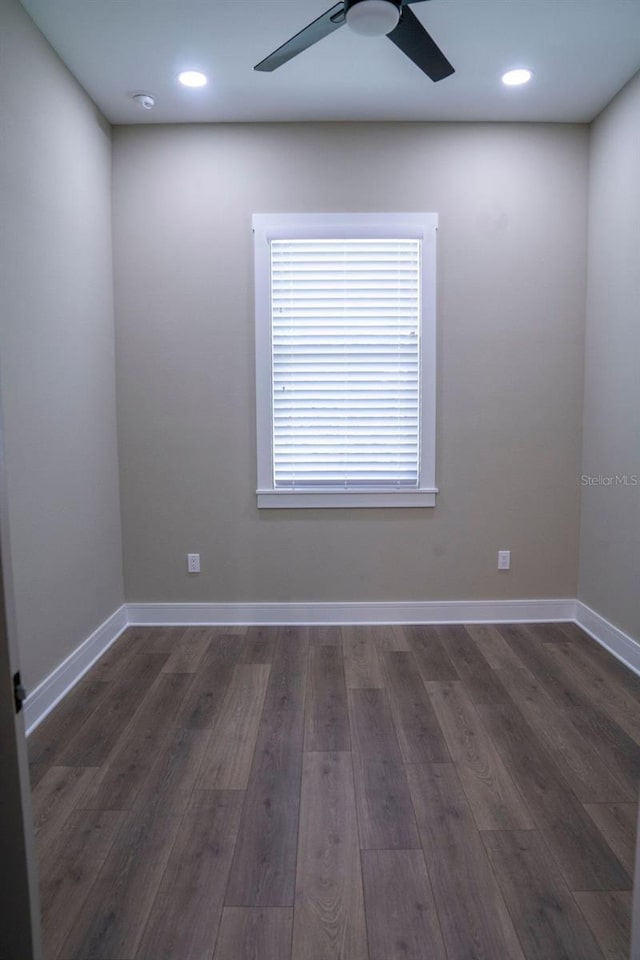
515,78
192,78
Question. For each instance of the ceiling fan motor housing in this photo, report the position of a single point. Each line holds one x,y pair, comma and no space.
372,18
352,3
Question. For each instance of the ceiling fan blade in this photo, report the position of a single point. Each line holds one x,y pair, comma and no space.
329,21
414,41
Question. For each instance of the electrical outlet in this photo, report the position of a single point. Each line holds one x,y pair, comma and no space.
193,562
504,559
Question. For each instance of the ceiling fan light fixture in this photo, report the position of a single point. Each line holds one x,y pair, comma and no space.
373,18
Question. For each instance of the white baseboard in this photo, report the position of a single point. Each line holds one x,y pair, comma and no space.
45,697
427,611
54,687
622,646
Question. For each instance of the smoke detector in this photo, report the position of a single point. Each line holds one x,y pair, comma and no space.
144,100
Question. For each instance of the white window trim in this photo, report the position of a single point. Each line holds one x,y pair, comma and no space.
267,227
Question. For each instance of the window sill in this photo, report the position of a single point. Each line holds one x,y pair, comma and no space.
310,500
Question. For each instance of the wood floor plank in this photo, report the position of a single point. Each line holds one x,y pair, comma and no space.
287,684
417,727
621,753
165,639
327,726
537,658
68,871
127,766
264,863
111,923
617,823
329,919
255,933
495,801
492,646
121,778
160,706
260,645
602,689
174,774
549,633
473,669
203,704
96,738
289,670
389,638
361,663
401,916
48,741
190,650
573,631
472,913
431,657
596,727
385,812
59,792
113,664
601,658
233,739
590,777
37,772
609,916
185,916
329,634
86,834
544,913
373,735
584,857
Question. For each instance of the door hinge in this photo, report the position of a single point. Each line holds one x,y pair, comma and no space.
19,692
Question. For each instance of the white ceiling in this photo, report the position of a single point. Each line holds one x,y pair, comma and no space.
581,51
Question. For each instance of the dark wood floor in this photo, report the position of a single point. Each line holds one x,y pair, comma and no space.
363,793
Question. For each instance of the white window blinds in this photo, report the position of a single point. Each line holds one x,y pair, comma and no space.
345,335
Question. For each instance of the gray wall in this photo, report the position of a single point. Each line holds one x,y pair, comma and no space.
512,260
512,201
56,350
610,536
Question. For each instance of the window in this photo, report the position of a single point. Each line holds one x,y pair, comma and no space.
345,359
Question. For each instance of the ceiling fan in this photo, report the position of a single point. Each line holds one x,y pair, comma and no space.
370,18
